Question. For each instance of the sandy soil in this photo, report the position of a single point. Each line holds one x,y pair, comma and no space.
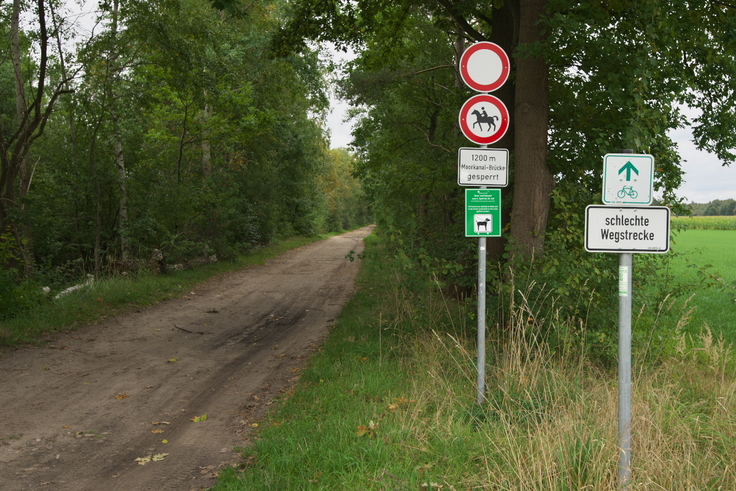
78,412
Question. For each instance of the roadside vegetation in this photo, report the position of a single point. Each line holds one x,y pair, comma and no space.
115,295
389,402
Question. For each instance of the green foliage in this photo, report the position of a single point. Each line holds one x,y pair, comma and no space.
345,205
222,142
16,296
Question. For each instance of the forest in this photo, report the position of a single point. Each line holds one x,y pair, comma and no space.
176,129
135,135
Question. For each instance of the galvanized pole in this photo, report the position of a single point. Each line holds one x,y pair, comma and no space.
482,315
481,319
624,366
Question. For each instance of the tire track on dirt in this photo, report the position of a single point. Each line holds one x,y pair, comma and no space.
79,411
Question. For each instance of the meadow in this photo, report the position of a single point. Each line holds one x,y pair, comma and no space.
703,259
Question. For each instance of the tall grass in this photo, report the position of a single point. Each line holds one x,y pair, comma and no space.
390,404
119,294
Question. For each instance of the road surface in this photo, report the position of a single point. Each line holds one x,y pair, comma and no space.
111,406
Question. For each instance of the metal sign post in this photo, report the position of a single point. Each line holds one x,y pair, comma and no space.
484,67
625,267
481,383
622,229
624,367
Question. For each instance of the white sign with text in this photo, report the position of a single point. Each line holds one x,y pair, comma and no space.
627,229
483,167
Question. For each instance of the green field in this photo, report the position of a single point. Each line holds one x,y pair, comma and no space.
707,260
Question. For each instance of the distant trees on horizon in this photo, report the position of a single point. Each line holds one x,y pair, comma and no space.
716,207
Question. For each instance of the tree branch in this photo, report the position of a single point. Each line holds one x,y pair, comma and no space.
462,21
429,141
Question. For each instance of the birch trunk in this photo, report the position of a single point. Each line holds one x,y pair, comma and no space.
206,149
118,137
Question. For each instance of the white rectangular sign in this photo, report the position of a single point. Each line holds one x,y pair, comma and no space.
627,229
483,167
628,179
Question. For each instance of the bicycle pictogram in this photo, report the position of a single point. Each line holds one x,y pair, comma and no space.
627,191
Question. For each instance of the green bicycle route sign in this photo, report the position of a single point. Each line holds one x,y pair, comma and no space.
628,179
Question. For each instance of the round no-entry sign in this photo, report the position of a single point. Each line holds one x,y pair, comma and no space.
484,119
484,66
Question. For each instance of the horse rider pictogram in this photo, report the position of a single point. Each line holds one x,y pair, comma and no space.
483,117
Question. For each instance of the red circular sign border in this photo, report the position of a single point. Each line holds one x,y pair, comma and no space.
503,127
504,71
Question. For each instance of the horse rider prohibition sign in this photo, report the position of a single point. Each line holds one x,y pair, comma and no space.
483,117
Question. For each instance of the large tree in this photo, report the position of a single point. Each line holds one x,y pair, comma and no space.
589,78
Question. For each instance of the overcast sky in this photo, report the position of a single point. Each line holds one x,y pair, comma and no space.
705,178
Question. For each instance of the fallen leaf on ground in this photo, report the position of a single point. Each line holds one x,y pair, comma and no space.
121,396
197,419
369,430
151,458
160,423
157,431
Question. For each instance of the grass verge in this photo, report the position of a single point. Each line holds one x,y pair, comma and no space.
389,404
117,295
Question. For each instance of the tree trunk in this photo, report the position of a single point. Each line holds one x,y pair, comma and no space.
206,149
23,235
98,196
533,180
118,139
122,185
504,32
20,97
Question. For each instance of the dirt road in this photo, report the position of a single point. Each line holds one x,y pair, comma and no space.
92,409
